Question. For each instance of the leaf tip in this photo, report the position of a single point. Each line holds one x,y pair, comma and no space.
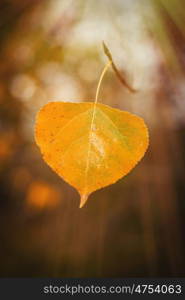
83,199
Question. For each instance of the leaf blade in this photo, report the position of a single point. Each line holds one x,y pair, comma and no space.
110,137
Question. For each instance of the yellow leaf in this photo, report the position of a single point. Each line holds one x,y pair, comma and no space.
90,146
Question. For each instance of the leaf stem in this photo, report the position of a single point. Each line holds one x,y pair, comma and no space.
84,196
101,78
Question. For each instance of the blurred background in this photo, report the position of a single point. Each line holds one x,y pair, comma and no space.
51,51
